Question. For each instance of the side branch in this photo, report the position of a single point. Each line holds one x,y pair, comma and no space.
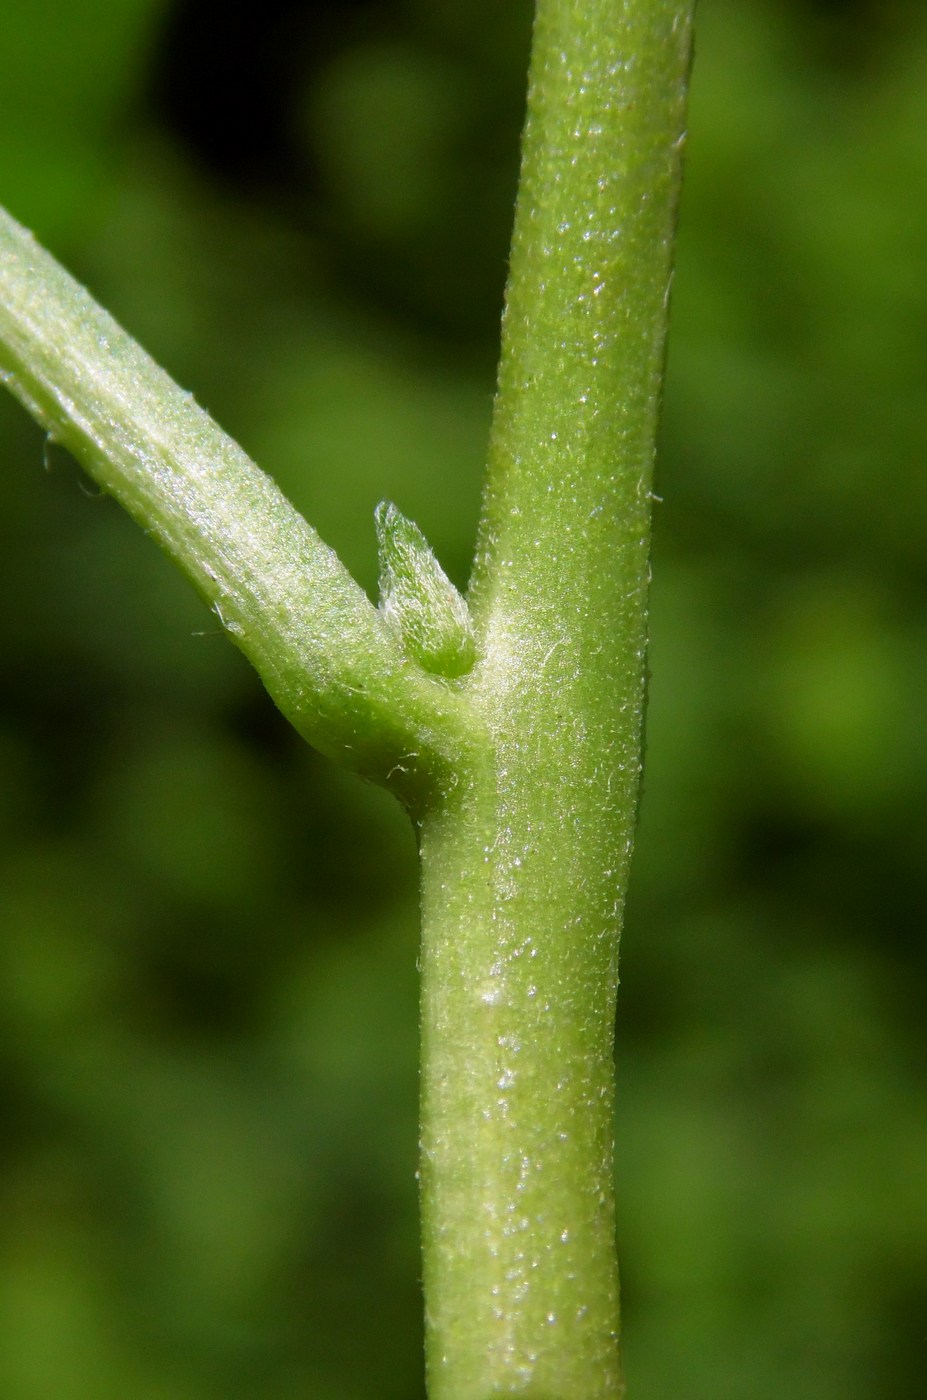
324,652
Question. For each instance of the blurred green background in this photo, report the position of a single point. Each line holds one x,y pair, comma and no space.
207,961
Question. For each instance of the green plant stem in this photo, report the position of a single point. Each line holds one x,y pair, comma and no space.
525,868
324,652
522,774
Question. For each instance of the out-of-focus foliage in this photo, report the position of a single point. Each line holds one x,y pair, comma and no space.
207,935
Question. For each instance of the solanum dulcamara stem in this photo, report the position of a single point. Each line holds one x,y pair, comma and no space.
324,652
509,726
525,870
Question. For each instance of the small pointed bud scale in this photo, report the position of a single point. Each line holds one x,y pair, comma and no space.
418,600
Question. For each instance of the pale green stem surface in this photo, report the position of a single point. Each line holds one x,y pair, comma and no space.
522,773
525,870
323,651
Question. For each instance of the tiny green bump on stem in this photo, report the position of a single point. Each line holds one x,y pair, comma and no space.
418,599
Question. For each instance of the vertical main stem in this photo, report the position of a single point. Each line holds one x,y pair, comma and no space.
525,864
